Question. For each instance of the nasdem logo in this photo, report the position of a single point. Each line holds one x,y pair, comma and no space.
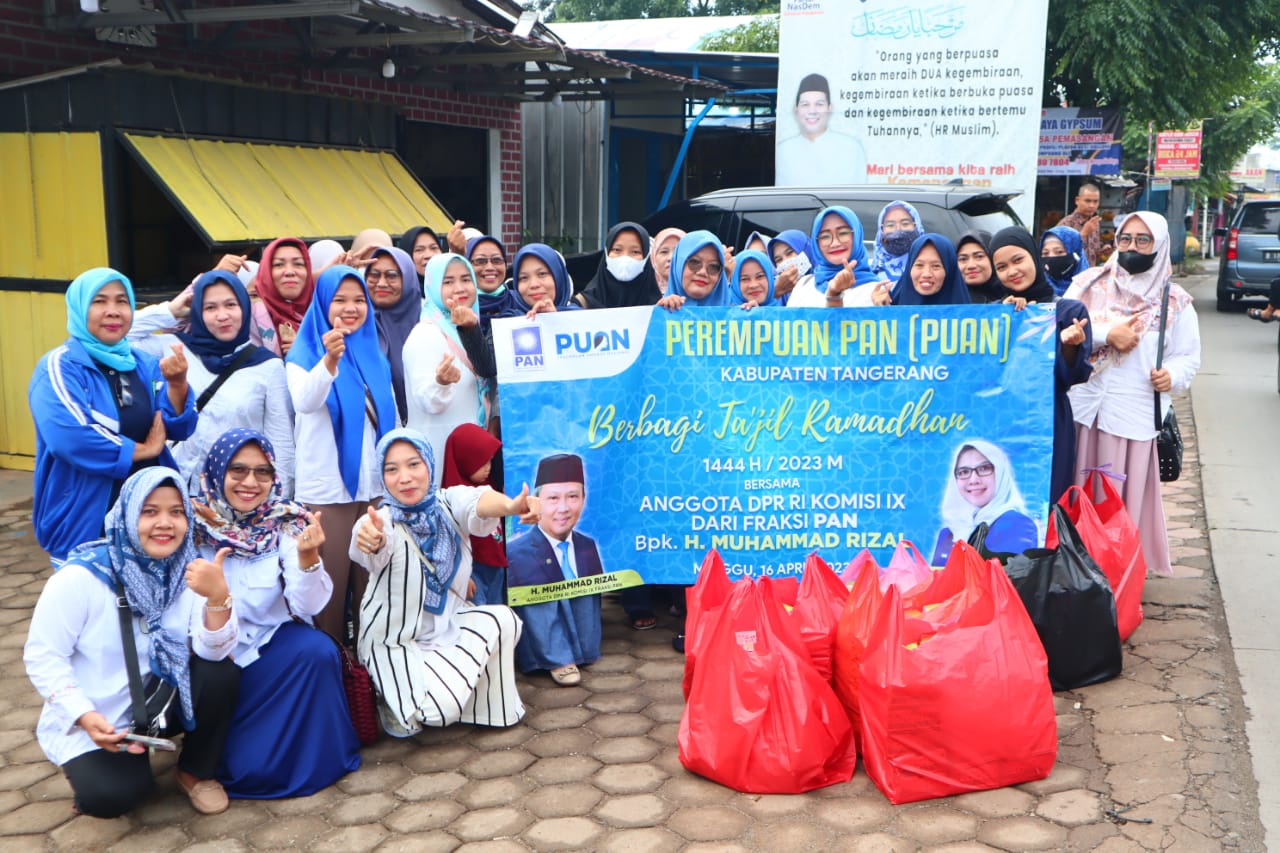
574,344
527,347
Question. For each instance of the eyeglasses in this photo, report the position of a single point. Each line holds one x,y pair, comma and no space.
1142,241
261,473
124,398
986,469
825,238
374,276
495,261
695,265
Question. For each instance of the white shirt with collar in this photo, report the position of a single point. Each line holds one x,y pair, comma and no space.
318,474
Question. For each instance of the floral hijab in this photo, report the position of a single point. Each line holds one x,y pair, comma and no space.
251,533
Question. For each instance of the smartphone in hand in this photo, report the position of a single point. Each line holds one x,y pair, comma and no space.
154,742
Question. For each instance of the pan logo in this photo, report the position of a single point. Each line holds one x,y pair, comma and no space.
574,344
527,346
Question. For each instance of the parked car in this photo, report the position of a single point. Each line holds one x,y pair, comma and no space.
732,214
1251,253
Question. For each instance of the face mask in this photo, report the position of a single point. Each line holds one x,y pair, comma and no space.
1059,266
1136,262
899,242
800,262
624,267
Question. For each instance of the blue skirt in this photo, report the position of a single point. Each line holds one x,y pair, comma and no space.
291,735
558,633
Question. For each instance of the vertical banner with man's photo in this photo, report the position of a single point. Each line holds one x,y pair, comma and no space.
911,92
652,436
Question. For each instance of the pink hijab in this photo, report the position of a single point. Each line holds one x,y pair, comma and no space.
658,239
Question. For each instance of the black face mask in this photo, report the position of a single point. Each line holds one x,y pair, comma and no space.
1059,266
1136,262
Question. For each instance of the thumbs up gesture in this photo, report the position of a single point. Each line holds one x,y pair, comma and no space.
206,578
371,536
447,373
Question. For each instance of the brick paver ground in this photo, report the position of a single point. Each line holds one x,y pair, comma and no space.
1154,760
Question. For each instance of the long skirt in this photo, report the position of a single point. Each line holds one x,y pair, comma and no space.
291,734
558,633
1138,462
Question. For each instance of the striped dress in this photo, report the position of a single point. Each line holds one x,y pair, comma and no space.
435,670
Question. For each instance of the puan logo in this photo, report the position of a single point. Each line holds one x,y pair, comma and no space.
585,343
526,344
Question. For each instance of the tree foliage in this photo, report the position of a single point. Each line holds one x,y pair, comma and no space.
758,36
615,10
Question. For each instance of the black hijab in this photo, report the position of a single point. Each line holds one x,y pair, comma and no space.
990,290
606,291
1040,290
408,238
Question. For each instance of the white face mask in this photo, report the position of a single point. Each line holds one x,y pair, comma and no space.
800,262
624,267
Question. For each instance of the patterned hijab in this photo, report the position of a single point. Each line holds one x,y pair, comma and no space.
280,309
258,530
80,293
216,355
429,523
893,265
151,585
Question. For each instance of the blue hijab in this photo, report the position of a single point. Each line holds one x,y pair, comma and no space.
953,292
796,239
80,293
430,523
735,283
518,306
1074,244
893,265
689,245
216,355
150,584
825,270
363,366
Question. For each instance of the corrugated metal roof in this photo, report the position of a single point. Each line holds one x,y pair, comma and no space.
239,192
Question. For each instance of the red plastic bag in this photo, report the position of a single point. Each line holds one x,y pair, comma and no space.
853,632
703,599
907,570
967,707
761,719
1111,537
855,567
819,604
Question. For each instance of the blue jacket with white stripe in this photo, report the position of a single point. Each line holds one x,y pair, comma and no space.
80,453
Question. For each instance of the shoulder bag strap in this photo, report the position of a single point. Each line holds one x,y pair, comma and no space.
1164,318
131,661
236,364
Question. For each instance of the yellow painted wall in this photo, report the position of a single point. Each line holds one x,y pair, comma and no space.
54,228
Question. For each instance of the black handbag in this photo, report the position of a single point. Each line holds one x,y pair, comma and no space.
1169,439
152,700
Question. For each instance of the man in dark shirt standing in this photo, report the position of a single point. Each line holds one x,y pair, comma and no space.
1085,219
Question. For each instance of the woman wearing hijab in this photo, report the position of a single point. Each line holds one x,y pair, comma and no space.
931,277
981,489
697,273
896,230
291,695
471,455
102,410
422,244
397,306
285,286
975,268
660,249
791,260
1013,252
841,275
251,388
340,384
488,261
1115,411
540,283
184,626
1062,256
436,659
752,282
624,278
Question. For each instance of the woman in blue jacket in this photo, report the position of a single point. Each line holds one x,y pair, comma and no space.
102,411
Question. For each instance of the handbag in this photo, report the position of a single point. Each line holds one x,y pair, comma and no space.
1169,439
152,700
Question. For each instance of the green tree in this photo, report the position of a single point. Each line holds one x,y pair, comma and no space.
758,36
614,10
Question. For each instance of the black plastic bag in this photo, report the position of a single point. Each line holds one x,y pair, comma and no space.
1072,606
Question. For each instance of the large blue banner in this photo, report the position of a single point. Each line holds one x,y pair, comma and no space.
654,436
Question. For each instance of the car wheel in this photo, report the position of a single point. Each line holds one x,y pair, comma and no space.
1224,299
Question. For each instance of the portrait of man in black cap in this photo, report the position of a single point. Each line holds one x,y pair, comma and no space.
555,551
817,155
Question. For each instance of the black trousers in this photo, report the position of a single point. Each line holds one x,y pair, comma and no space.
108,784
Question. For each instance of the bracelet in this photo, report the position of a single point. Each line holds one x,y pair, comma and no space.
311,568
219,608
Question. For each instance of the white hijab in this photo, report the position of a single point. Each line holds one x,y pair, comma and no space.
962,517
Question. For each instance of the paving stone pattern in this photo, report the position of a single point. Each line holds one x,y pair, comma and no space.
1154,760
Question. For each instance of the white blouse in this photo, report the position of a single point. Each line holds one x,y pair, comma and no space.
318,475
262,603
436,410
75,655
807,295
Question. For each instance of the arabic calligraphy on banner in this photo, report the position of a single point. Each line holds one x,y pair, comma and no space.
774,433
910,92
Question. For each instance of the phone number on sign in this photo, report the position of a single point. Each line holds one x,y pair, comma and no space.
777,464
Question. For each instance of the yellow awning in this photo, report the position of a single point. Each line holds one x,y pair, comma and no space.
238,192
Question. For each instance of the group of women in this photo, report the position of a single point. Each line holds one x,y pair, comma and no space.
306,452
